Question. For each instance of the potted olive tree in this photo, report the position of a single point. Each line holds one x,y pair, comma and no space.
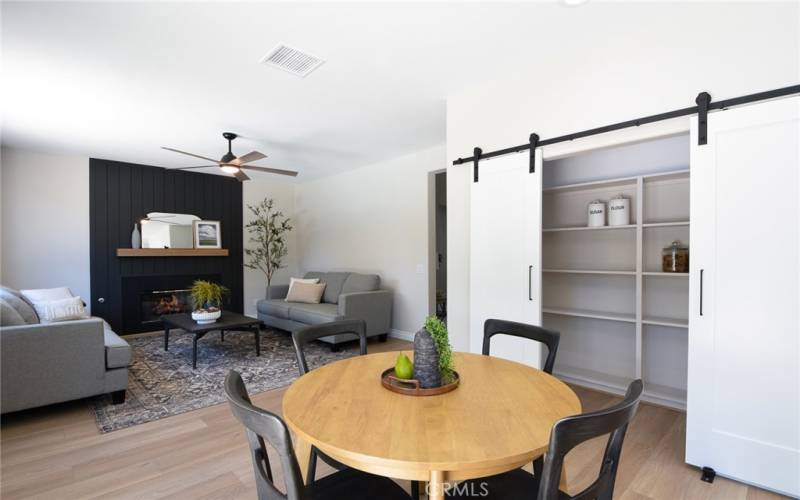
268,231
207,301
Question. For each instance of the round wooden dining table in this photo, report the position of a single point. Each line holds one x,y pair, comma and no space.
498,419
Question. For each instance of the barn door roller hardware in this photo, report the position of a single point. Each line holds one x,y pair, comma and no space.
534,143
704,105
703,100
476,156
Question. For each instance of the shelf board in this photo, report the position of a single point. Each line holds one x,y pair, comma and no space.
587,313
663,176
663,395
589,271
172,252
665,275
661,321
599,184
592,379
586,228
666,224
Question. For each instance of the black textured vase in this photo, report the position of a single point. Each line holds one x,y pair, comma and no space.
426,360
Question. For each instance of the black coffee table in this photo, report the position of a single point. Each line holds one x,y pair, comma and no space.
229,321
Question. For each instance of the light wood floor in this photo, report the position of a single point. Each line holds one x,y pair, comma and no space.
58,453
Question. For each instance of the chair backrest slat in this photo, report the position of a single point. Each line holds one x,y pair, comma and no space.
261,425
549,338
315,332
569,432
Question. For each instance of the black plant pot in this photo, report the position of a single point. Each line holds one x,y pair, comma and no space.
426,360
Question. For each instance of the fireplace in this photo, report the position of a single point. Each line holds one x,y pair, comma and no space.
146,298
157,302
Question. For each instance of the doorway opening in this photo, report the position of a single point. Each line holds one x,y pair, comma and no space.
438,247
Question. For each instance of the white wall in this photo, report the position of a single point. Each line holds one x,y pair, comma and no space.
45,221
253,191
639,68
374,219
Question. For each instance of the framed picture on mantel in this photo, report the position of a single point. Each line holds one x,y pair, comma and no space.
207,234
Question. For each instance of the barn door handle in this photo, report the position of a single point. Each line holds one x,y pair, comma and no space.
701,292
530,290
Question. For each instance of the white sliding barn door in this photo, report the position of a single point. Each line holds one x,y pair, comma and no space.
505,258
743,414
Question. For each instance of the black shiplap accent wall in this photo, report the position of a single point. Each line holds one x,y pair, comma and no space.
121,193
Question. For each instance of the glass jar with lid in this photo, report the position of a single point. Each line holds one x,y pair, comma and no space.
675,258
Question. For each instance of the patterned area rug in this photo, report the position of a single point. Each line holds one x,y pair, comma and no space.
163,383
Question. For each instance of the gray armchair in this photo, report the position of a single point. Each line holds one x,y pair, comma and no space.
347,296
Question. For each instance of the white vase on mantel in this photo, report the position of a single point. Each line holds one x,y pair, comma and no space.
136,238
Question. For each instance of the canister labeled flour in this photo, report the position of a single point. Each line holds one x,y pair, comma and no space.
597,213
618,211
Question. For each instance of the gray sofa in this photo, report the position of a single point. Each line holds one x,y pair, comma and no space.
46,363
346,296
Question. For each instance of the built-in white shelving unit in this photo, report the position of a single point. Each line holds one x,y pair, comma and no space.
620,316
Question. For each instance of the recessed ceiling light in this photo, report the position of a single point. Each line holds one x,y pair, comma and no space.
573,3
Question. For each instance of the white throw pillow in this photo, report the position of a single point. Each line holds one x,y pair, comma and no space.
46,294
292,281
55,304
60,310
306,293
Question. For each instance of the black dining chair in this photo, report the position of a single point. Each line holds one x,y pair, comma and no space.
550,338
315,332
567,433
262,427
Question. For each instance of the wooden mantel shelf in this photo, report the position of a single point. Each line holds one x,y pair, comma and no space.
172,252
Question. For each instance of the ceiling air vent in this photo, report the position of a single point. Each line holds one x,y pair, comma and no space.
292,60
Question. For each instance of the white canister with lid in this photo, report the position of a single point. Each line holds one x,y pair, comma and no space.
597,213
619,213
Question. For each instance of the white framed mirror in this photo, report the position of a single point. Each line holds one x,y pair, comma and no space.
167,230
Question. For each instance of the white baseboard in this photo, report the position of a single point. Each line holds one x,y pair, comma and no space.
401,334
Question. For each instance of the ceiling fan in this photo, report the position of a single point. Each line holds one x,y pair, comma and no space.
232,164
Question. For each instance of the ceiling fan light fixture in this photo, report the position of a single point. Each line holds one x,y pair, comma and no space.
229,169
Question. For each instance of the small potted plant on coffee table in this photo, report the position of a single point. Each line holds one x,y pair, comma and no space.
207,301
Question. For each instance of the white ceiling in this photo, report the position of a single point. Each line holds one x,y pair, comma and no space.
117,81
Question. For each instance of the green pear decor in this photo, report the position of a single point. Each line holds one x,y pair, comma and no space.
403,367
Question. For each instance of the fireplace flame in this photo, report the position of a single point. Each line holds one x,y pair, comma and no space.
169,304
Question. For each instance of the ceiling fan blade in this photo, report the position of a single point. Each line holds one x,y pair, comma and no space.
270,170
201,166
241,176
251,156
190,154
